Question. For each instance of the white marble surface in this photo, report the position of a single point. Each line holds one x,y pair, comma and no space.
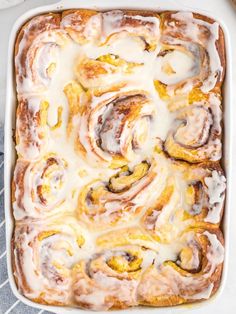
226,303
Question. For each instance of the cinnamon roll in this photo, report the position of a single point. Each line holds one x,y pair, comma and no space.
196,132
192,52
39,188
109,279
101,204
116,128
36,60
43,258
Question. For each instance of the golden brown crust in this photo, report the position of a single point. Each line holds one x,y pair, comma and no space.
220,45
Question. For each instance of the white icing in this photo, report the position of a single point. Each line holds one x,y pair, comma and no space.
205,294
181,66
63,74
216,254
197,129
38,258
216,185
192,31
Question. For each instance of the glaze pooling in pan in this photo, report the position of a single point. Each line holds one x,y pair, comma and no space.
118,192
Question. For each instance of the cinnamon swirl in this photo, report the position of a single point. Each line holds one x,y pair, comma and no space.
197,43
43,257
39,188
196,132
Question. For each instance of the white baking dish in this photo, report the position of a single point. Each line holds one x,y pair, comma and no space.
215,9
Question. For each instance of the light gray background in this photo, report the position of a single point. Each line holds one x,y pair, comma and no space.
8,303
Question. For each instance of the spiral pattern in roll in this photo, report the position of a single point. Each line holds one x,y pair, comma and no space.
195,136
39,187
44,254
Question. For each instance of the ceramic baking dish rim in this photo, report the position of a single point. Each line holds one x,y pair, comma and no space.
152,5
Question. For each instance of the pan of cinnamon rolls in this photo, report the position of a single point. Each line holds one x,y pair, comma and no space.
118,190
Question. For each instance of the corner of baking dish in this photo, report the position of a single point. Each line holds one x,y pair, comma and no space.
210,10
